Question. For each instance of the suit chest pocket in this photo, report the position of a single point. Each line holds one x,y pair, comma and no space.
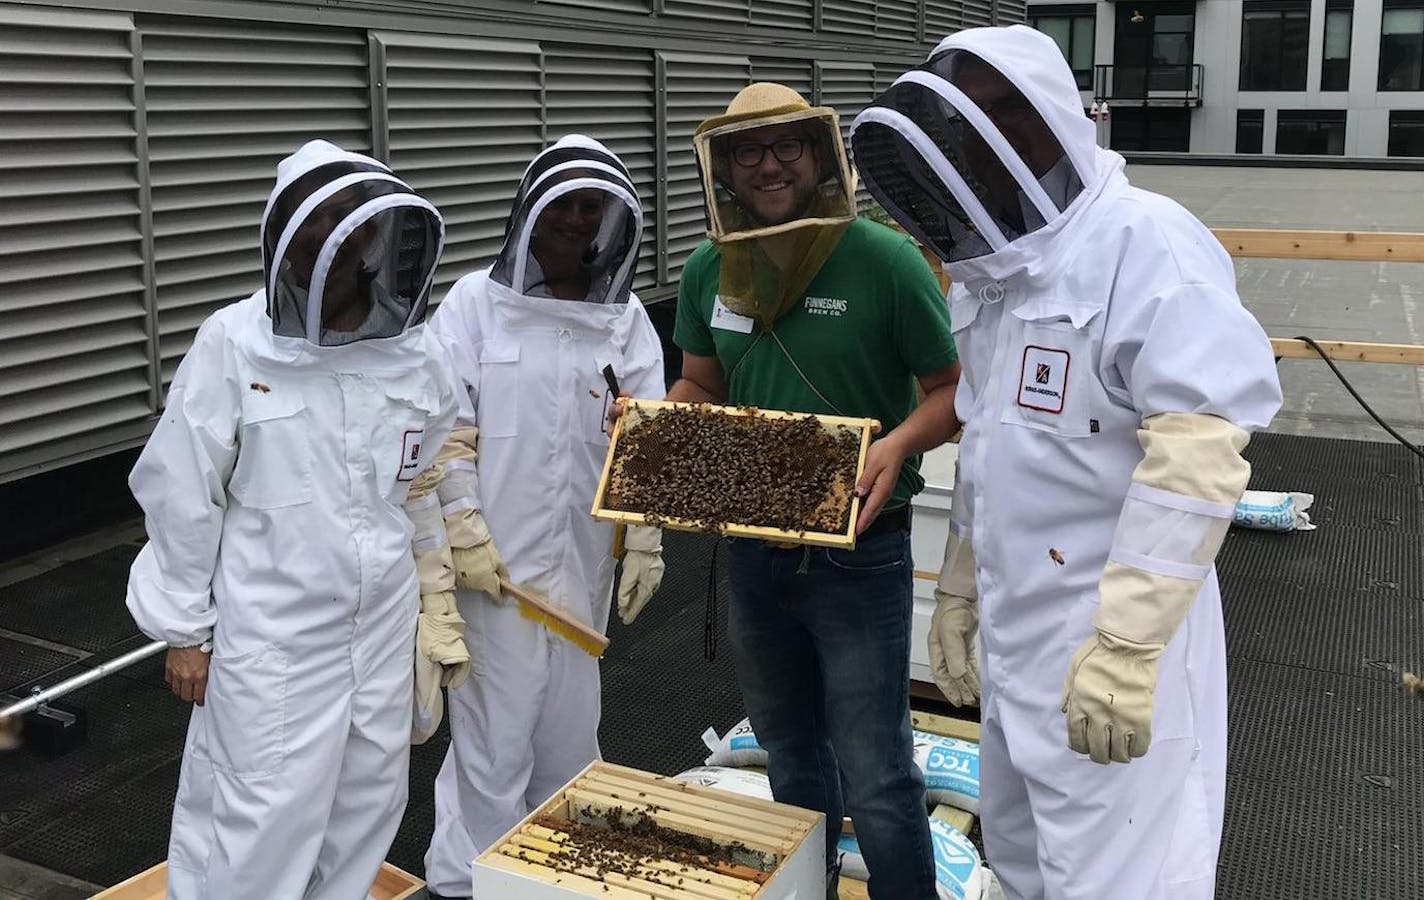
274,458
1050,371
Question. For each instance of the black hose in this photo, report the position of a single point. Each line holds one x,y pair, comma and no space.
1358,399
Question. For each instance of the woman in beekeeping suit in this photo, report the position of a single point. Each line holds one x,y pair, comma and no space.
1111,378
531,337
278,567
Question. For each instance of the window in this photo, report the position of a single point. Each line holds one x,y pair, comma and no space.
1161,129
1250,130
1335,61
1313,132
1275,42
1402,46
1406,132
1072,28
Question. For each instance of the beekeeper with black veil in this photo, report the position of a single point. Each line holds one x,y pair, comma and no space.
279,567
1111,379
531,337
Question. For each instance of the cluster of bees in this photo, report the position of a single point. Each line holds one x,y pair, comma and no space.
710,468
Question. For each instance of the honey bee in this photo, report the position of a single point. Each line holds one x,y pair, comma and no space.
1055,555
260,387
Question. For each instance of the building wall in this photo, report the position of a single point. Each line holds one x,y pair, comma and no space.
1218,49
139,138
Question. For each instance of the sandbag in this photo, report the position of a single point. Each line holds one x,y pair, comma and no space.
951,769
1274,511
738,747
737,781
950,766
959,873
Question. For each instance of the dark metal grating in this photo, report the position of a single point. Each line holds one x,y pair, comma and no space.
1325,782
79,604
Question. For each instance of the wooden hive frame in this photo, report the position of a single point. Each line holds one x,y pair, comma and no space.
773,832
633,408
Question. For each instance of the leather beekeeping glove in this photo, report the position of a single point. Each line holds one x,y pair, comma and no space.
477,564
1180,503
953,661
441,658
642,570
440,638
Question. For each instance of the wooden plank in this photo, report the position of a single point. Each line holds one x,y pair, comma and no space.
150,884
394,883
577,883
807,818
1350,351
1365,246
391,883
520,849
844,540
733,819
958,819
945,726
922,575
678,790
850,889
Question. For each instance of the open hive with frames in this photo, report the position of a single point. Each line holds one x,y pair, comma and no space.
739,471
621,834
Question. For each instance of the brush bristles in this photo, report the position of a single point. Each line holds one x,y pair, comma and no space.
579,639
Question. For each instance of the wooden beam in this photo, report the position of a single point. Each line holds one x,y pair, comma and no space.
1351,351
1366,246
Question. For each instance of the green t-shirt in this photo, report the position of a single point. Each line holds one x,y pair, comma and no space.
872,320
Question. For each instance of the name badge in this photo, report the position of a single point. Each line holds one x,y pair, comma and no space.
410,455
1043,383
725,319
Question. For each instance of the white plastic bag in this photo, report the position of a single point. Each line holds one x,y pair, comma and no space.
737,781
951,769
738,747
959,873
1274,511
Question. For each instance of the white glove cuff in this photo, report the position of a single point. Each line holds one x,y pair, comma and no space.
467,528
1143,607
956,575
644,539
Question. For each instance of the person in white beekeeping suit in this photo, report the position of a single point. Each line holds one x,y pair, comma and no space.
1111,377
531,337
279,566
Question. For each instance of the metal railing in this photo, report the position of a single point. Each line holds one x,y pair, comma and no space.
1155,85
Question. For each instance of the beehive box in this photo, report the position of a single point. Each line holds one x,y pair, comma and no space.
697,844
152,884
744,472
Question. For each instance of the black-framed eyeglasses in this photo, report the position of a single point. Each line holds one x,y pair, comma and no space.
786,150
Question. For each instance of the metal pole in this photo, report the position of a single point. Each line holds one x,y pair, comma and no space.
39,698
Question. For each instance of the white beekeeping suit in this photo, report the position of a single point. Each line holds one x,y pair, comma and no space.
1111,376
526,721
273,487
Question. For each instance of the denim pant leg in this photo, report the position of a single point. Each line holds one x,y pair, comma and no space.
780,680
858,606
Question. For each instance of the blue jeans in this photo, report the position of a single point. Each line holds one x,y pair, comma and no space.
821,640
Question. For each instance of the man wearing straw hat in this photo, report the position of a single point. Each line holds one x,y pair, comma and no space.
796,304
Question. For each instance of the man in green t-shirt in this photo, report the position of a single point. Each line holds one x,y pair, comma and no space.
797,305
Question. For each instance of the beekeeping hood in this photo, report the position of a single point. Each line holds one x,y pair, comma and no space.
348,249
574,163
983,147
766,266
